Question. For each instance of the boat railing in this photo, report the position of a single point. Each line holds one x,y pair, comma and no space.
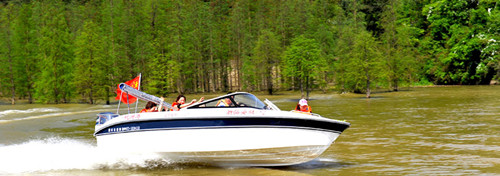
103,117
317,115
271,105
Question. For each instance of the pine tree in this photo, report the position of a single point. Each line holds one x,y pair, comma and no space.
365,67
54,83
266,55
90,65
163,70
6,52
24,41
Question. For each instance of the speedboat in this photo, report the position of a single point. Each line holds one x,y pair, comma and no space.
245,132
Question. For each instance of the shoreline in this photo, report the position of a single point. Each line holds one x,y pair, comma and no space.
190,96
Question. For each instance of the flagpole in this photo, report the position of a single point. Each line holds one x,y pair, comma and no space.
118,109
128,104
135,82
138,88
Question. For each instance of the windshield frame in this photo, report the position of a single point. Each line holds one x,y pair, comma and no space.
209,103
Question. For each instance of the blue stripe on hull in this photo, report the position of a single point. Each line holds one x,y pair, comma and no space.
222,123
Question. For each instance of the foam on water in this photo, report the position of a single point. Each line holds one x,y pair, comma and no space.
52,115
34,110
68,154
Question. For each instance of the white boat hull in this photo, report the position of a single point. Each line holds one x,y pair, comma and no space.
246,146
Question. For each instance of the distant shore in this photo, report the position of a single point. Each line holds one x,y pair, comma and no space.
261,94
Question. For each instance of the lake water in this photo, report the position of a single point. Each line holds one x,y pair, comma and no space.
424,131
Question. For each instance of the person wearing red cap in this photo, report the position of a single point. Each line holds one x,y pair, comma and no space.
302,106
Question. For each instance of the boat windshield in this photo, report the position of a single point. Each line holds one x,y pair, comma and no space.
233,100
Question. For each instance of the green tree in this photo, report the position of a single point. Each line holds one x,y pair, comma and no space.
490,37
460,33
177,47
303,60
390,42
24,42
348,24
6,51
112,21
90,64
243,31
410,62
161,66
266,55
365,67
54,82
399,41
325,24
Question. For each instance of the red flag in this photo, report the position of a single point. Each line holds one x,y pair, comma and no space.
134,83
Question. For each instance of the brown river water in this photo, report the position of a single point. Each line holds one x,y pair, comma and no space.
422,131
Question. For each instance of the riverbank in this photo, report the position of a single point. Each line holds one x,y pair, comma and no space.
288,93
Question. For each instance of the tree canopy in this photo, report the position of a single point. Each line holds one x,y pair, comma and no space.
78,51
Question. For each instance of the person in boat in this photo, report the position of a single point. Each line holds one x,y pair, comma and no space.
152,106
180,102
303,107
226,102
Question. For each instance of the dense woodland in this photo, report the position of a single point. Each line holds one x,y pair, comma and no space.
54,51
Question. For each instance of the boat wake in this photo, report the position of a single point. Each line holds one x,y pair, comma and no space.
55,154
28,111
42,110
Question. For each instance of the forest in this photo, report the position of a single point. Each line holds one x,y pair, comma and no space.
77,51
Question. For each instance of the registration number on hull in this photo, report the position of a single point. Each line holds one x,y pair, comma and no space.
121,129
